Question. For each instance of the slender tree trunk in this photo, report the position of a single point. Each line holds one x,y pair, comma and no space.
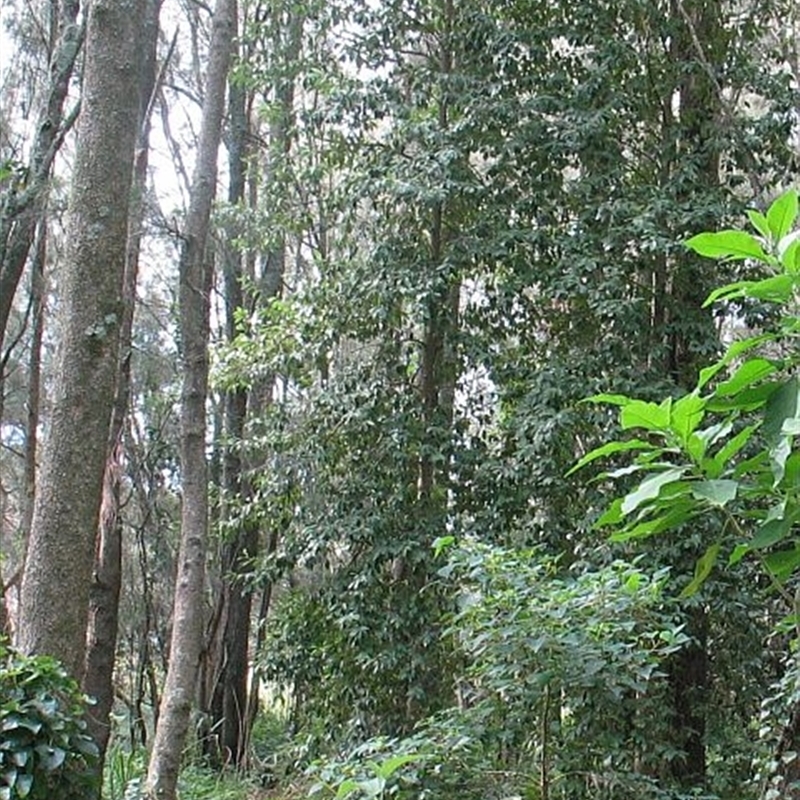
195,286
32,403
229,651
229,704
20,212
699,47
58,565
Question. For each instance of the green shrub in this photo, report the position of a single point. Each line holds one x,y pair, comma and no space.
44,749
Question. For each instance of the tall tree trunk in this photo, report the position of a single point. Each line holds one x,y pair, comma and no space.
32,403
58,566
228,652
699,47
21,211
101,637
229,715
196,278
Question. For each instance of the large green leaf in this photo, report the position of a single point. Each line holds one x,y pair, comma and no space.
789,249
751,371
783,563
729,450
728,244
759,222
650,416
734,351
650,488
782,406
782,214
716,492
687,413
610,449
770,533
679,511
775,289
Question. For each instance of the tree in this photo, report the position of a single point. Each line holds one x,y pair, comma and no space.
196,280
725,448
101,638
23,205
59,561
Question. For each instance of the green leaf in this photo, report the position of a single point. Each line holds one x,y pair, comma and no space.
442,543
783,563
373,787
610,449
612,516
778,456
775,289
730,449
687,413
14,721
782,408
770,533
728,244
782,214
24,784
679,512
392,764
759,222
650,416
717,492
50,758
346,787
650,488
702,570
781,405
789,250
738,554
611,399
751,371
733,352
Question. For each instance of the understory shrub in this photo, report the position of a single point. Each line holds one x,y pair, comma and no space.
45,752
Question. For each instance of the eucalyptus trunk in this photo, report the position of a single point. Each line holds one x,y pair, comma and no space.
58,566
101,638
196,280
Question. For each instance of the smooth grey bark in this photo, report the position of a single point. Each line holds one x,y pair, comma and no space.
58,566
196,279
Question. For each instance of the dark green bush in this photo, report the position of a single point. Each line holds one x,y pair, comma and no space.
45,752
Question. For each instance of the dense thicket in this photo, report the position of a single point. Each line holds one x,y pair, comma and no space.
446,224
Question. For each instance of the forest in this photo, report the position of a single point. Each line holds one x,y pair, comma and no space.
398,400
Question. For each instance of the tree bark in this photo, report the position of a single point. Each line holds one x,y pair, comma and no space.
196,277
58,565
101,638
20,211
228,653
230,665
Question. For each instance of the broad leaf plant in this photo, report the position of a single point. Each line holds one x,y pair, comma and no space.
728,446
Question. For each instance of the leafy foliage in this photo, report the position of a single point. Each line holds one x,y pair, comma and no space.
726,447
561,685
44,752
